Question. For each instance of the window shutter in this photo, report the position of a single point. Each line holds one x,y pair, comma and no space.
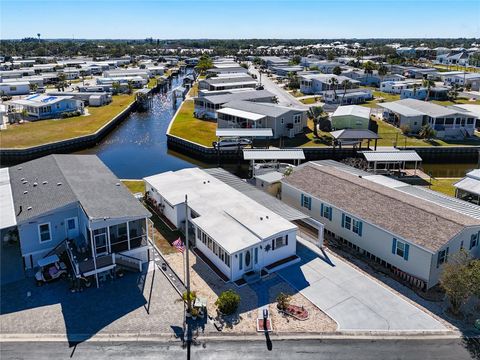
330,214
343,220
405,253
286,239
321,210
360,228
446,255
309,203
273,244
301,200
394,246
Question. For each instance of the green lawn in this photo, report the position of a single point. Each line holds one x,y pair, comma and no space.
46,131
444,185
194,90
152,83
190,128
309,101
380,96
457,101
135,186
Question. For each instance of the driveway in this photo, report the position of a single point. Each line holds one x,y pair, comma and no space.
350,297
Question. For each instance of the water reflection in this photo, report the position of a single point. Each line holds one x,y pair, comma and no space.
456,170
138,147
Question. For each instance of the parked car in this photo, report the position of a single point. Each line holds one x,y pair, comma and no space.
51,268
232,142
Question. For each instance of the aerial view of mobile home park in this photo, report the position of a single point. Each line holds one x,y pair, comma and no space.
226,179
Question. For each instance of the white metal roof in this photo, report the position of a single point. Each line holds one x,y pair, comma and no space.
241,114
352,110
48,260
232,132
270,177
273,154
231,218
7,209
391,156
469,184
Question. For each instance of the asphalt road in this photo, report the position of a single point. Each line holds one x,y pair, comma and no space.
342,349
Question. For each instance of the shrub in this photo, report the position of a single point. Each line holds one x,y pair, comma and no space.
228,302
283,300
405,129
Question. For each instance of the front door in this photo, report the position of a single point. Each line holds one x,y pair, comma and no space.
248,260
71,227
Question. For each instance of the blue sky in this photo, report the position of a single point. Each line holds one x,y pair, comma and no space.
138,19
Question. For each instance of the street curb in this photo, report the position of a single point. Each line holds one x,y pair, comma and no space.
167,337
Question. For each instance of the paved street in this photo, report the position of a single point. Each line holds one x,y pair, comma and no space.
284,98
344,349
351,298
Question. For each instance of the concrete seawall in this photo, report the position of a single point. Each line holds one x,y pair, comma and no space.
450,154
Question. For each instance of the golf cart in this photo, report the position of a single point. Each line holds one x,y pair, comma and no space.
51,268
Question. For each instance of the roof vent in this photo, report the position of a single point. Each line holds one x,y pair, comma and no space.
25,182
59,183
117,184
266,217
35,184
25,192
45,182
19,168
29,208
261,218
204,182
22,179
360,176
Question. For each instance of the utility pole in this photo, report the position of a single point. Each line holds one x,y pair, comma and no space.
187,250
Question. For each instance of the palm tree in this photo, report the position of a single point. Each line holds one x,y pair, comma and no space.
382,71
333,82
428,84
315,113
415,86
33,87
346,84
337,70
116,87
61,81
453,92
38,35
130,86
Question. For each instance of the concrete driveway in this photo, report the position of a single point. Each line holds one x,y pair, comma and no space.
350,297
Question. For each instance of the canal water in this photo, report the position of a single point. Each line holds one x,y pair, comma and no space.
456,170
138,146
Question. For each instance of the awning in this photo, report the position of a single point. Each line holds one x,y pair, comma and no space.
468,184
273,154
241,114
237,132
7,208
392,156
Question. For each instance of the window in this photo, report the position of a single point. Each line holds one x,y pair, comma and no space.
473,241
442,257
347,222
279,242
326,211
306,202
357,227
71,224
400,248
44,232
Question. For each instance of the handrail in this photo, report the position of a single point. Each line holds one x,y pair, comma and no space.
51,252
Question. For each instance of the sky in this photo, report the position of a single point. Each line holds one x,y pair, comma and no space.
231,19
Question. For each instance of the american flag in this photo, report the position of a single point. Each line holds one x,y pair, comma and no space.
179,245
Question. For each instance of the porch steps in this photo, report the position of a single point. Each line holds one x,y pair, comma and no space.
252,277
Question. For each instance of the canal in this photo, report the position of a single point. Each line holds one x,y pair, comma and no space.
138,146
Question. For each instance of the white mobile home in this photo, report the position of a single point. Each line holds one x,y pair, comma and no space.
407,229
14,88
238,235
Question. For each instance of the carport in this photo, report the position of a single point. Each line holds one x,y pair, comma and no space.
396,159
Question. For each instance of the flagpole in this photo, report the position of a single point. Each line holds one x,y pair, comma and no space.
187,245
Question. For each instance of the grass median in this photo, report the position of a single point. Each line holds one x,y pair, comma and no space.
187,127
46,131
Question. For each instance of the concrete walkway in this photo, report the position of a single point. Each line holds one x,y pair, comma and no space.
351,298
